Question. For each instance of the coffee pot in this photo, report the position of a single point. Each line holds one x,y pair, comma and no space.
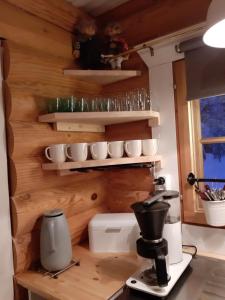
55,242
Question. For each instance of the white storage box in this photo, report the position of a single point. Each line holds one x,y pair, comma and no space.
113,232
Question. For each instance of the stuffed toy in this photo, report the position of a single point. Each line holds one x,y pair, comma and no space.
114,44
87,46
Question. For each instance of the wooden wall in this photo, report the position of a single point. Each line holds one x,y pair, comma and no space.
128,186
35,54
38,47
143,20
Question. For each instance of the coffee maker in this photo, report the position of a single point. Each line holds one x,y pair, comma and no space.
156,276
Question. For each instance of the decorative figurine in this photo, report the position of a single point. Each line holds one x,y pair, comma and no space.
87,45
114,45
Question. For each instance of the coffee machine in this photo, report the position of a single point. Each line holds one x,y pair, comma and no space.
157,276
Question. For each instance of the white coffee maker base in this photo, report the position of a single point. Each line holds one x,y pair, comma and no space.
176,270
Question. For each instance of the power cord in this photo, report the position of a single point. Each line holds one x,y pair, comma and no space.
185,247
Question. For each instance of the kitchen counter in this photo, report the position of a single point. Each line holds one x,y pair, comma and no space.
98,277
204,279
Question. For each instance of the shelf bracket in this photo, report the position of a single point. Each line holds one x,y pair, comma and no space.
108,168
78,127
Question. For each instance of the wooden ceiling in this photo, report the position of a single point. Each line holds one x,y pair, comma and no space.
143,20
97,7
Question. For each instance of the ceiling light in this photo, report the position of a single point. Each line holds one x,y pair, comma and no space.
215,35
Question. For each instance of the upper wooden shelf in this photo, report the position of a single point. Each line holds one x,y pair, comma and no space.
102,77
96,121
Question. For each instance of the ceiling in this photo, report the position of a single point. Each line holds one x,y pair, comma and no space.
97,7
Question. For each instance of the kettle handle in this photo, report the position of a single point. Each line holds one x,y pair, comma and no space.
51,232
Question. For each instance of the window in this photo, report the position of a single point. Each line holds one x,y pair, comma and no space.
201,142
208,130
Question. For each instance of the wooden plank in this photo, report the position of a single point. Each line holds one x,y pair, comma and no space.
34,67
21,27
102,118
190,215
29,139
213,140
29,100
19,291
102,77
159,18
58,12
27,175
28,207
67,126
127,187
100,163
5,59
98,277
26,247
128,131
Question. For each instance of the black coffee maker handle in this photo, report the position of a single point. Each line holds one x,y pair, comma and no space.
161,271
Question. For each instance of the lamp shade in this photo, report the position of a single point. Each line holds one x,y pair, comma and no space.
215,35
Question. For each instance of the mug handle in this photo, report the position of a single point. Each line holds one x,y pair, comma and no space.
109,150
66,151
47,154
126,148
92,150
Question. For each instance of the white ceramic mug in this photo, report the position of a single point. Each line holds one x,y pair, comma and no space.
78,151
149,146
56,153
99,150
116,149
133,148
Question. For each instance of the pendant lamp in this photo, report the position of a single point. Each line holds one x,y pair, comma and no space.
215,34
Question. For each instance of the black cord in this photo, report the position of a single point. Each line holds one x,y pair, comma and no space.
192,246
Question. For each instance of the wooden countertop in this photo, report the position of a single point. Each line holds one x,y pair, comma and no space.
98,277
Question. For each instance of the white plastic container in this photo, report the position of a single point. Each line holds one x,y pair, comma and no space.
116,232
214,212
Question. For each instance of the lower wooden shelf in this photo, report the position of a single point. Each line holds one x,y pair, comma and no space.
98,277
101,163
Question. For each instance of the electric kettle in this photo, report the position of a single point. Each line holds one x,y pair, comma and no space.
55,242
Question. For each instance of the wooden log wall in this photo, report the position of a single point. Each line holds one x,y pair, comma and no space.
125,187
35,54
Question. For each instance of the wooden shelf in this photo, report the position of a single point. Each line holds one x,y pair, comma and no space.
68,166
99,276
96,121
102,77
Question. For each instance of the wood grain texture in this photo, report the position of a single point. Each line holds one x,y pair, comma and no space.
127,187
5,59
27,208
159,18
26,247
38,52
21,27
98,277
29,139
39,71
58,12
190,214
102,77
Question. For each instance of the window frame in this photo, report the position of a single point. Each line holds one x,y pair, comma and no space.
192,211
